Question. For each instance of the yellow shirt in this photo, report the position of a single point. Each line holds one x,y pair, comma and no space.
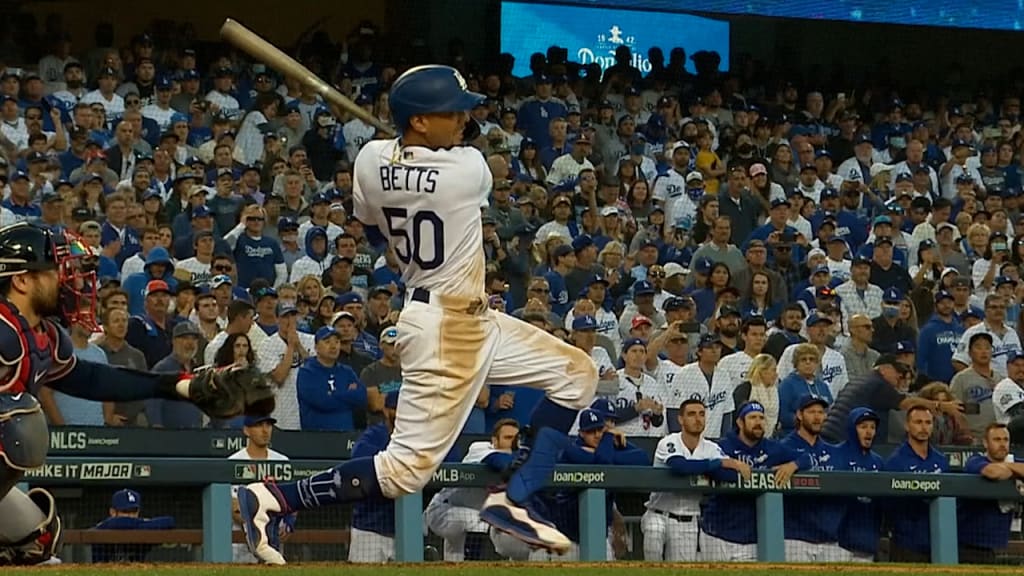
705,160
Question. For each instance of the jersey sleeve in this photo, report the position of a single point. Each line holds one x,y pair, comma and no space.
486,180
362,173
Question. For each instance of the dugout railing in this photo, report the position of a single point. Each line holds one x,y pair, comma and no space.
210,481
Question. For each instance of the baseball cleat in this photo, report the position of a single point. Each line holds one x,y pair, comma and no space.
258,507
523,523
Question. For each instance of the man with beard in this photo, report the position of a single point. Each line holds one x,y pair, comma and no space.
728,526
738,205
728,328
861,523
696,380
74,84
787,330
860,163
938,341
983,526
643,304
909,517
811,523
732,368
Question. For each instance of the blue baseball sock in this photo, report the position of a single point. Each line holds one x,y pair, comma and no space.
349,481
536,472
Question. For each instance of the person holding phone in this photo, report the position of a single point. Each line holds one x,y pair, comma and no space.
985,269
974,386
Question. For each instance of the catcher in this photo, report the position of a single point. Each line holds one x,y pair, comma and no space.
47,283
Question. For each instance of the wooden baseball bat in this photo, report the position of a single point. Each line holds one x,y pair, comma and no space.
255,46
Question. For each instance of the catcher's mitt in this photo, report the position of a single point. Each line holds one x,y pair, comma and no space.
230,391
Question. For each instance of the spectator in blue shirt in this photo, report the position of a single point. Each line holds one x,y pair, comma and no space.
20,200
365,342
983,526
126,514
564,260
374,517
256,256
536,112
909,517
158,267
329,392
802,381
117,231
170,413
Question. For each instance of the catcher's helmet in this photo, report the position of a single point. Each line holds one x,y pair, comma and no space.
26,247
428,89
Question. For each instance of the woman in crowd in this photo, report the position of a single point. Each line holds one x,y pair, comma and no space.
759,302
719,278
803,380
948,430
761,386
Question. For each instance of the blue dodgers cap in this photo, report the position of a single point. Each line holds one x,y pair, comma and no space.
708,340
606,408
1014,356
882,220
748,408
582,242
892,295
325,332
808,400
703,265
942,295
253,420
562,250
590,420
866,414
677,303
391,399
584,323
829,192
643,288
286,309
974,312
905,347
348,298
126,500
597,279
630,342
1000,280
814,319
200,212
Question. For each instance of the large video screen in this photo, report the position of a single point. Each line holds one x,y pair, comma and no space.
987,14
593,34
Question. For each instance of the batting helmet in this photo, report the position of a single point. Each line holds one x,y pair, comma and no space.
428,89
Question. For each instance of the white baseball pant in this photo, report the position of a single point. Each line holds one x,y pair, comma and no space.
448,352
452,523
859,557
370,548
669,539
800,551
718,550
572,555
510,547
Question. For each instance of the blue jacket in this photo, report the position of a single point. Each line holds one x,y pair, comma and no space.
376,514
791,389
982,523
733,517
563,505
317,232
135,284
121,553
813,518
935,347
328,396
535,116
524,400
909,516
848,227
861,525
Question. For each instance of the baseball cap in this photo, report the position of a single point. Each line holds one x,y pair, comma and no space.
961,281
892,295
758,169
185,329
941,295
562,250
881,220
905,347
201,212
808,400
679,145
287,223
325,332
694,177
389,335
829,192
157,286
703,265
604,407
780,202
342,314
825,292
639,320
708,340
581,242
729,311
584,323
286,309
220,280
348,298
630,342
677,303
126,500
814,319
820,269
974,312
590,420
254,420
862,139
674,269
979,336
643,288
1000,280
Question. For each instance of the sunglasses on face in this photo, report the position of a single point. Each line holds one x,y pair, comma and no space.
222,268
656,274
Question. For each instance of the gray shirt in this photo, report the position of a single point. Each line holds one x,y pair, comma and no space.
972,388
128,357
858,365
730,256
385,379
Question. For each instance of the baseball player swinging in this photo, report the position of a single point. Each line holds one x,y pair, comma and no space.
423,193
47,283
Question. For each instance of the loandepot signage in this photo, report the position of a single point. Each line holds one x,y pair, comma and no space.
917,485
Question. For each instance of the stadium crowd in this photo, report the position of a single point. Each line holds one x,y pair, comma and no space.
797,260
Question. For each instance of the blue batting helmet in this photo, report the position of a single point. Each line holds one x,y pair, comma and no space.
428,89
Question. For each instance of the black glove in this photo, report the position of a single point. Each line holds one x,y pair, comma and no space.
229,391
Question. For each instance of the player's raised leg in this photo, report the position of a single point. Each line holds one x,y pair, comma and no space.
528,356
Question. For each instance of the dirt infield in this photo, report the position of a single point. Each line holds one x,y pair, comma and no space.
509,569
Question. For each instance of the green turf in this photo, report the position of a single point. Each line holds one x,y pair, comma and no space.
505,570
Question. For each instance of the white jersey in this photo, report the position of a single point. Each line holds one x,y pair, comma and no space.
333,231
630,390
200,273
133,264
468,497
1005,396
670,190
357,133
607,324
427,204
730,372
1002,346
307,266
680,503
690,382
286,402
162,116
833,368
228,105
113,107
